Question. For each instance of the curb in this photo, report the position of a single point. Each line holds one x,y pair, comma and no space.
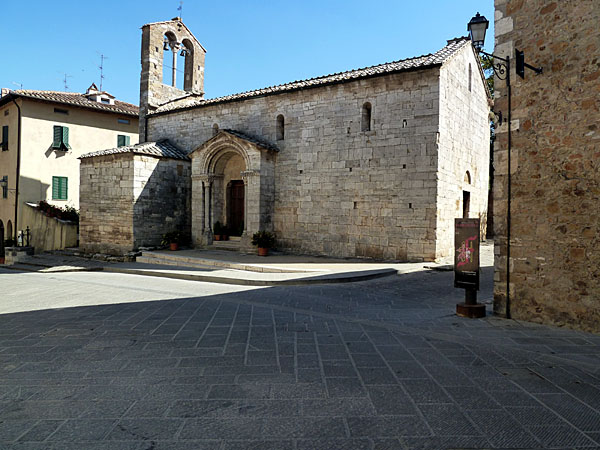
323,279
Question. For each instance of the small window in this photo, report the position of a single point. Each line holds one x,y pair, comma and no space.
365,122
61,111
4,183
124,121
4,143
6,112
60,188
467,177
280,128
215,129
105,101
61,138
122,140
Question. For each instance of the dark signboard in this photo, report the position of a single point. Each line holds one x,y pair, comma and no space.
466,253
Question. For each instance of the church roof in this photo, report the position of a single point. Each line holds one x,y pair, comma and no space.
162,149
420,62
74,99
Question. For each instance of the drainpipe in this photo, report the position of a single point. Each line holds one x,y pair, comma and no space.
18,174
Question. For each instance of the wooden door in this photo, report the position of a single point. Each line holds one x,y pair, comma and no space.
235,219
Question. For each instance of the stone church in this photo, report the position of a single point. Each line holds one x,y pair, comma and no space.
374,162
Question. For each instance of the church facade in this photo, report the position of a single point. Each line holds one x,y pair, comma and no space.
375,162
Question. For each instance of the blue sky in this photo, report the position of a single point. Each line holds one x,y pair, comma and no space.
250,44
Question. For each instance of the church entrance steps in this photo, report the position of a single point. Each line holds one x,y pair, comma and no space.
231,245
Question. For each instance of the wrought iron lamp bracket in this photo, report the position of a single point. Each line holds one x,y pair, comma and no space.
498,64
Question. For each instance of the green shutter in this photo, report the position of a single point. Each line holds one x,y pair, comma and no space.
120,140
127,140
56,142
64,189
60,189
65,138
5,137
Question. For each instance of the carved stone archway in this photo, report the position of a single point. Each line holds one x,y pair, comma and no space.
224,157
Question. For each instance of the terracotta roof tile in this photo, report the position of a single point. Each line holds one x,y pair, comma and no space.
76,99
163,149
419,62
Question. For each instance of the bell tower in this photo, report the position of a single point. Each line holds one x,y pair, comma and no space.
174,37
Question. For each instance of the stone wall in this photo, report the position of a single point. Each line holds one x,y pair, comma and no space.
129,201
464,146
48,233
338,190
341,191
161,195
106,204
555,164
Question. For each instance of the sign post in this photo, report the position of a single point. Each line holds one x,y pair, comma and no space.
466,266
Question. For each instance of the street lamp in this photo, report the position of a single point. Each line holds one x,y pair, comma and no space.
501,66
477,28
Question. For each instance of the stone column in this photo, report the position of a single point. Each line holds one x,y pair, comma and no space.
251,180
207,183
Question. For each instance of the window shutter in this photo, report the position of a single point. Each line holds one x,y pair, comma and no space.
5,137
64,188
55,187
57,136
65,138
127,140
60,188
120,140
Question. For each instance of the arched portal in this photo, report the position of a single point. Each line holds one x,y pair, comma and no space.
228,191
232,183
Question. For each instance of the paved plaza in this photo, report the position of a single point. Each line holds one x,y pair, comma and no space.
98,360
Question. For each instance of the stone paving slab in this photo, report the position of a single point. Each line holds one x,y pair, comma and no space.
376,364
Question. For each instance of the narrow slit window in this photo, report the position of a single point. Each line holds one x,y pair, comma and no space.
280,128
365,123
470,77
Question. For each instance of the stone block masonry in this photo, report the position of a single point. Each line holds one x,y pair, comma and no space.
388,192
555,164
130,200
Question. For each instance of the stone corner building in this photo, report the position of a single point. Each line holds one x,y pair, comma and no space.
375,162
554,245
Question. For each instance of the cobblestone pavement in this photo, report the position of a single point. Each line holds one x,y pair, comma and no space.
384,364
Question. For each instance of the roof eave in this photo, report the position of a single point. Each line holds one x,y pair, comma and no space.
58,102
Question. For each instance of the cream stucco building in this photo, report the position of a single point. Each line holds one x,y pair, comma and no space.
43,134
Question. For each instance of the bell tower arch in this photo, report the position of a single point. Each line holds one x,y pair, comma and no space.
157,39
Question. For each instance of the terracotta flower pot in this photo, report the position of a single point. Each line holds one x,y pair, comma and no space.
217,237
263,251
174,246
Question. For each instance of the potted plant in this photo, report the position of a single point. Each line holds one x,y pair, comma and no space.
264,240
217,230
171,239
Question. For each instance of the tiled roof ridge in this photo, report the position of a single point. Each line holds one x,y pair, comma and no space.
161,148
429,59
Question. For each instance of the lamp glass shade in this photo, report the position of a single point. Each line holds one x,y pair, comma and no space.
477,28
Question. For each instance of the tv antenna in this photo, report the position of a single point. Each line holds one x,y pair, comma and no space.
101,67
17,84
180,9
65,81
